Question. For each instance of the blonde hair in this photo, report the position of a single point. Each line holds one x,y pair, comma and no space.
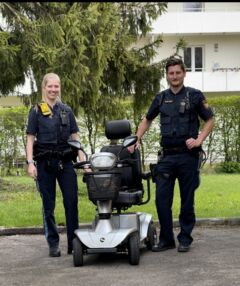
45,80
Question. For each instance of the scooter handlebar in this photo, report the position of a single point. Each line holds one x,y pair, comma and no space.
81,165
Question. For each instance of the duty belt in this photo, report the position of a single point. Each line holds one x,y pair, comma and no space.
174,150
49,154
179,150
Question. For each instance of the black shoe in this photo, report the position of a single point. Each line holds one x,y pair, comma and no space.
183,248
54,252
163,246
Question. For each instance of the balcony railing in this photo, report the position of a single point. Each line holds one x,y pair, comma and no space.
197,23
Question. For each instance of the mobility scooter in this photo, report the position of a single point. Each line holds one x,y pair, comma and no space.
114,185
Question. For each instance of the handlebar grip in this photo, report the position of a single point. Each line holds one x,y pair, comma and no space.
80,165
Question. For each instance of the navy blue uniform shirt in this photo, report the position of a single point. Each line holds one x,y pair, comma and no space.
198,97
51,125
175,126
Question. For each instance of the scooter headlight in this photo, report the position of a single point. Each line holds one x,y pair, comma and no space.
103,160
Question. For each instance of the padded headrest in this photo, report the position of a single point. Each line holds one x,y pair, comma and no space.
117,129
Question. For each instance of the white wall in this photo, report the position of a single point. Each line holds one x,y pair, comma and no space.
227,55
193,22
216,18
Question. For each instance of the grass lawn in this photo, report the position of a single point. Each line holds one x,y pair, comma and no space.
20,204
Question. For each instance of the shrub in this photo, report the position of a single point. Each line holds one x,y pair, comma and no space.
228,167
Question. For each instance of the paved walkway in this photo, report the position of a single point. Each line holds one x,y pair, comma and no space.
214,259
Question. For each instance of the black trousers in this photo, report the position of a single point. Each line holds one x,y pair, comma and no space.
48,173
183,167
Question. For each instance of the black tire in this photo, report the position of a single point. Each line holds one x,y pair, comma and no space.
134,249
151,235
77,252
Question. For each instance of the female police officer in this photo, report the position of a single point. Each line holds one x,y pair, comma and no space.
180,108
50,124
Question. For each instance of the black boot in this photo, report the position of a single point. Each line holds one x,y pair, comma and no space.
54,251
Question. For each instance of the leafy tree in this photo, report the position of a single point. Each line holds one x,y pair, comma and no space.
12,136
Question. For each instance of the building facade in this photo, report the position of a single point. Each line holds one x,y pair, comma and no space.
211,31
10,101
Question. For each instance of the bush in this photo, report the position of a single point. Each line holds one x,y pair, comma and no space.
228,167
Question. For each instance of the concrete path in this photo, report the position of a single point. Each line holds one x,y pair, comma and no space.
214,259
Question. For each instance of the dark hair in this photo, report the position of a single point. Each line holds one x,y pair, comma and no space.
173,62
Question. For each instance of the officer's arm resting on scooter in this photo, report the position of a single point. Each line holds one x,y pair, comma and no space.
142,128
81,155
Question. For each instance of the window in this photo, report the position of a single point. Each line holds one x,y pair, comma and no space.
193,58
193,6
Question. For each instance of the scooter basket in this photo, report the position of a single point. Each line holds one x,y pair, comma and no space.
103,186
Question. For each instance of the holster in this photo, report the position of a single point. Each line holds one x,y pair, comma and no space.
69,155
153,171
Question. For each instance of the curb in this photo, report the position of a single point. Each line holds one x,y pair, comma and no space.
33,230
208,222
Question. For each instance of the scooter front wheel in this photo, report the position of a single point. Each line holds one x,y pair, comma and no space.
134,249
77,252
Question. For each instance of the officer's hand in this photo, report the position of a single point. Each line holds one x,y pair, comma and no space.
133,147
87,170
32,171
191,143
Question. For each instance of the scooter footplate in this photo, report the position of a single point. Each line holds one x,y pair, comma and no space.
101,250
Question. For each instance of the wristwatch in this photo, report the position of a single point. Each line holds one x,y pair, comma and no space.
29,162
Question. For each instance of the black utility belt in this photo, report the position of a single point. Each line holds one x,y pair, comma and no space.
179,150
65,155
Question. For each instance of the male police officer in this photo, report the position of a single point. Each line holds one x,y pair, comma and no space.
179,108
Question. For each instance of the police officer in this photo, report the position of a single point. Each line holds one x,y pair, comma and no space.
50,124
180,108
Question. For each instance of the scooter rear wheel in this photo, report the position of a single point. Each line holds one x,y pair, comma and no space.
134,249
77,252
